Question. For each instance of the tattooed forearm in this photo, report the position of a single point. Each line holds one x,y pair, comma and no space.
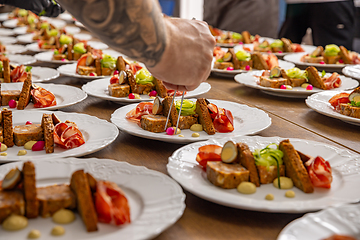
134,27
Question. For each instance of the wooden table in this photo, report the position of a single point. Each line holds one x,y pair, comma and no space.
206,220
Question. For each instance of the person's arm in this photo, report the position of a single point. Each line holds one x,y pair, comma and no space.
176,51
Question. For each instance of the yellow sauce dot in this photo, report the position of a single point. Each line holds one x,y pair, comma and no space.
15,222
181,135
58,231
29,144
246,188
34,234
137,96
290,194
288,87
3,147
22,152
178,131
269,197
304,85
195,134
196,127
3,154
63,216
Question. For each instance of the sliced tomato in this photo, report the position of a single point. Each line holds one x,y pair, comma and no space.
297,47
111,204
247,49
43,98
81,61
170,92
41,43
340,237
97,53
320,172
213,110
339,98
207,153
271,60
114,79
134,67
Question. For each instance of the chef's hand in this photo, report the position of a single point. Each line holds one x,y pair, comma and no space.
186,61
46,7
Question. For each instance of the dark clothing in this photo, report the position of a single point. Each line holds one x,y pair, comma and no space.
256,16
330,22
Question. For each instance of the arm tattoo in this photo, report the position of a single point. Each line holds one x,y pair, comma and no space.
133,27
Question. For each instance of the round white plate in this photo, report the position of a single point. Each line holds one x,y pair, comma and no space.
4,17
307,49
247,121
249,80
83,36
342,220
98,133
68,29
97,45
6,32
66,17
69,70
15,48
65,95
184,169
7,40
34,47
21,59
99,88
79,24
42,74
282,64
156,201
352,71
56,22
28,38
319,102
295,58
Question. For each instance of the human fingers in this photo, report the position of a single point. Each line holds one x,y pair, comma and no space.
176,87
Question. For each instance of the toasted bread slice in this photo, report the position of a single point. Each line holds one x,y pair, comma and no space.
344,54
70,53
204,116
287,45
6,70
85,205
246,37
294,82
317,52
314,78
295,168
234,59
48,127
166,108
246,158
31,201
11,202
160,88
8,131
331,59
25,94
259,62
120,64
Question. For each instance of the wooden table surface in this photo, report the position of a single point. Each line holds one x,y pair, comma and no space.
203,219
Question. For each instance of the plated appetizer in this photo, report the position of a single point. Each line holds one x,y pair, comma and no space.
228,37
282,45
332,54
347,103
233,165
73,50
95,200
197,116
294,77
11,73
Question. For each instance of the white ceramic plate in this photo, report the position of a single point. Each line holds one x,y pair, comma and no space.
65,95
69,70
42,74
4,17
21,59
34,47
83,36
247,121
184,169
12,23
7,40
79,24
98,133
249,80
156,201
14,49
6,32
48,55
307,49
319,102
23,30
295,58
352,71
342,220
66,17
282,64
99,88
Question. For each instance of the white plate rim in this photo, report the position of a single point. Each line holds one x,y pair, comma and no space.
52,74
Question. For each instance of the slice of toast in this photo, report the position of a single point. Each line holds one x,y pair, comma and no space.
120,64
132,81
85,205
246,37
294,167
8,132
344,54
246,158
314,78
294,82
160,88
204,116
6,70
31,201
259,62
287,45
166,108
48,127
234,59
25,93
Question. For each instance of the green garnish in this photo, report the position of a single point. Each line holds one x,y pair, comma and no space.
56,52
355,104
108,61
53,32
1,66
143,76
296,73
79,48
236,36
323,73
331,50
220,60
269,156
31,19
44,25
28,68
188,107
23,12
264,44
277,43
243,56
64,39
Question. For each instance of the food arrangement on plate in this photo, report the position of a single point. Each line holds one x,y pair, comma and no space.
229,38
12,73
197,116
37,137
347,104
95,200
282,45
